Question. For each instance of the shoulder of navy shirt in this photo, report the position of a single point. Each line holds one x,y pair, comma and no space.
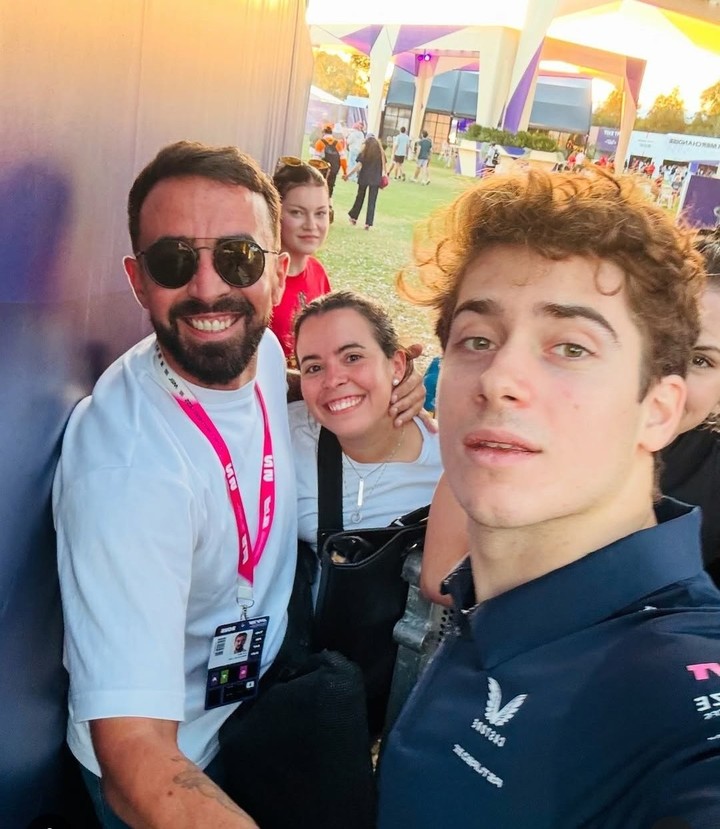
582,698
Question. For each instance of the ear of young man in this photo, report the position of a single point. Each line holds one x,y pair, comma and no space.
664,405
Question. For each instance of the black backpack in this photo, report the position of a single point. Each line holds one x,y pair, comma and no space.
331,155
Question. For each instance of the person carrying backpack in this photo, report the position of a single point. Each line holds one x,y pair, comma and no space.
332,150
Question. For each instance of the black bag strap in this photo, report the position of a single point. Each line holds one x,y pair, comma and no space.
330,478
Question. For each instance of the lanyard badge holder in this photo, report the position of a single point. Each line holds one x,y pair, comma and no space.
234,666
236,648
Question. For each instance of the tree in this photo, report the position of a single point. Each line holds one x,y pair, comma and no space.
341,76
667,114
531,140
707,121
361,64
609,112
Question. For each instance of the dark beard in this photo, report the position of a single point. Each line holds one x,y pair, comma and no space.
212,364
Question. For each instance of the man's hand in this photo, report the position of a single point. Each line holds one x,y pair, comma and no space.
408,398
150,783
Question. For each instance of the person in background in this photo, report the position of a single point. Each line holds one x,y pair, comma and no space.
581,683
656,187
676,184
332,150
400,146
354,141
304,225
492,158
424,151
350,362
370,167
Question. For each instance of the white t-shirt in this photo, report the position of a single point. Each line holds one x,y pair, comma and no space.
390,490
402,139
355,139
148,544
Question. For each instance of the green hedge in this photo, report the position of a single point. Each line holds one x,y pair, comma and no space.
531,140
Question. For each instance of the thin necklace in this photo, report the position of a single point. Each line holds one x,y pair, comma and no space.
356,515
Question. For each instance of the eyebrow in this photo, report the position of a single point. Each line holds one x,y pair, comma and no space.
193,240
491,308
288,202
706,348
552,309
340,350
484,307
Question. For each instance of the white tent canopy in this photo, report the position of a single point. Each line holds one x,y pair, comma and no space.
323,96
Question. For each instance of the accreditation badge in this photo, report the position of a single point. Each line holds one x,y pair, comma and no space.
233,673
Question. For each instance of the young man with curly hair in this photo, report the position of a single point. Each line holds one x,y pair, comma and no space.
582,685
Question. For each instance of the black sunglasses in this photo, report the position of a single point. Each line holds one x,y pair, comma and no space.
172,263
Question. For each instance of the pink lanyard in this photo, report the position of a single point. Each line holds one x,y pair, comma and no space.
249,555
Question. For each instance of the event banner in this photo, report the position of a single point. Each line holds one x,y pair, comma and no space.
700,204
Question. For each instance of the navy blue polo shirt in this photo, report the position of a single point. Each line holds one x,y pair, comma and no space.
589,697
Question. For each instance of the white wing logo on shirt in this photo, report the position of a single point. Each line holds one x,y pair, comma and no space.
496,715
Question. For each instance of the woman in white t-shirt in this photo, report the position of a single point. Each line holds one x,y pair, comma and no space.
350,361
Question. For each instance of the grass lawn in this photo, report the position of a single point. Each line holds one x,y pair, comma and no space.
367,261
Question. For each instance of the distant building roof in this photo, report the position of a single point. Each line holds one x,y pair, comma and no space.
561,102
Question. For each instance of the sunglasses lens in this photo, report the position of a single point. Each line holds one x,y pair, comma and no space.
170,262
239,262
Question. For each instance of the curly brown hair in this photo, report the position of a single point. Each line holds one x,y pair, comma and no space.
558,215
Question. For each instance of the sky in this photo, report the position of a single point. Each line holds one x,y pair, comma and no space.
672,59
638,30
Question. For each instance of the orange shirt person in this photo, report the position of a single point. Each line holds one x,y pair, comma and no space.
332,150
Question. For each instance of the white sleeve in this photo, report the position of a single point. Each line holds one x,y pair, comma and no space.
125,542
304,431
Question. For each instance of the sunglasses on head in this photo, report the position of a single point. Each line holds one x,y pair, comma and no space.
293,161
172,263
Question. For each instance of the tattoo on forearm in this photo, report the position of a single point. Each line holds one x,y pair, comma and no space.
191,777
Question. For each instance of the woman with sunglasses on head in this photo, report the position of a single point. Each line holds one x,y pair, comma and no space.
690,465
350,363
371,166
304,225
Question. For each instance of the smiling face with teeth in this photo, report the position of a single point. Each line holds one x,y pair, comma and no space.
542,423
209,330
346,377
